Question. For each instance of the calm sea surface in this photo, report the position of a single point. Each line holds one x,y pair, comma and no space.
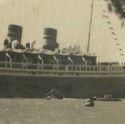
67,111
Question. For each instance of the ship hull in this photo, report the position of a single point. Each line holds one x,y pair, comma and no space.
70,87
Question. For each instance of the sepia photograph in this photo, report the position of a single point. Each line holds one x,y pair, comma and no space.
62,61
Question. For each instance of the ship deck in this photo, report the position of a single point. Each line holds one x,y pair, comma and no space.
51,70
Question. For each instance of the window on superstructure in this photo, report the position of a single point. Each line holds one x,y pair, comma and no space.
61,67
120,69
87,68
96,68
47,67
104,68
92,69
113,68
82,68
74,68
70,68
78,68
56,68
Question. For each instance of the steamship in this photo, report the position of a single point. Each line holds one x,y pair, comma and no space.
29,72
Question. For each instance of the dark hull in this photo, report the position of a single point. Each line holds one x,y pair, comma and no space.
73,87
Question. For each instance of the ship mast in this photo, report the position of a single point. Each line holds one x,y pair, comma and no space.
90,27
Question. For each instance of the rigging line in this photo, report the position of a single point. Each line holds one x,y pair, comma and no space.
109,22
90,26
105,16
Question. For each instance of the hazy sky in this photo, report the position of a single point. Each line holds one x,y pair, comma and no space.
71,18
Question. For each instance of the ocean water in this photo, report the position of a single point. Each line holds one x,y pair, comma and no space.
67,111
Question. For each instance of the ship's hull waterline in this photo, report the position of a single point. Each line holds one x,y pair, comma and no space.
73,87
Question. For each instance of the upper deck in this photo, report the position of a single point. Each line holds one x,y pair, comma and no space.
25,69
41,64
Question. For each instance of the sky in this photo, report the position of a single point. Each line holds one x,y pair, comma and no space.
71,18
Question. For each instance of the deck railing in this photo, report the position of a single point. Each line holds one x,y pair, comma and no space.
56,67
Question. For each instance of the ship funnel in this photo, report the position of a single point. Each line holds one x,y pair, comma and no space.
50,37
14,33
